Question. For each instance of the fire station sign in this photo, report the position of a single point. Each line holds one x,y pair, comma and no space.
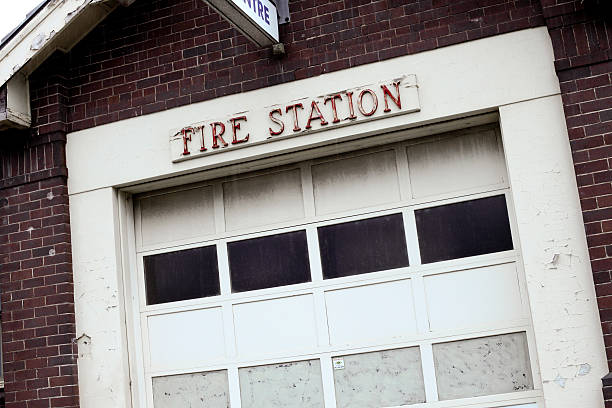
257,19
296,118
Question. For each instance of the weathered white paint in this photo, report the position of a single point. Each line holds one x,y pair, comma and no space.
479,164
514,71
103,369
374,312
560,283
187,212
354,182
276,325
453,81
17,113
186,339
264,199
453,297
59,25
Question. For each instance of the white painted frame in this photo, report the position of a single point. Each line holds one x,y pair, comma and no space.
415,272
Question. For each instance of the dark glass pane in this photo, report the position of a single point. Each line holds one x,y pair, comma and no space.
363,246
181,275
267,262
469,228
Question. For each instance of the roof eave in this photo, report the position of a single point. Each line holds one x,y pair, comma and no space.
58,25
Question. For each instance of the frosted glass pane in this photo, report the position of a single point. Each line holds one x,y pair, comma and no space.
286,385
208,389
483,366
379,379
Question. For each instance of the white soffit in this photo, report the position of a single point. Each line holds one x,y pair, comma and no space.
58,25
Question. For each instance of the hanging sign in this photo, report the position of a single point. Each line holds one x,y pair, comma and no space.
295,118
256,19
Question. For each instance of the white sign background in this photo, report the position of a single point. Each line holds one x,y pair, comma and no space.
262,12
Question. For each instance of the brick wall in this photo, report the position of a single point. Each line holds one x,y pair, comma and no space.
581,33
152,56
160,54
38,322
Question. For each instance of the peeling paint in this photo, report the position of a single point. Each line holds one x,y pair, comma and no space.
38,42
584,369
560,381
552,264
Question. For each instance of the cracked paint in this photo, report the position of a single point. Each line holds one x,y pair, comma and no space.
584,369
560,381
38,42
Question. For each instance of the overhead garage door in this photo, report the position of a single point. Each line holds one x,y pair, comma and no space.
380,278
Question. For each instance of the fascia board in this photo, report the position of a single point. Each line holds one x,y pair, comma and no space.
39,37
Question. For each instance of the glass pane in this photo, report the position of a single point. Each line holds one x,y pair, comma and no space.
267,262
191,390
469,228
379,379
363,246
181,275
484,366
289,385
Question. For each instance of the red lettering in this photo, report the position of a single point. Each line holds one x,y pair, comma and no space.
374,100
332,99
386,92
202,147
277,121
217,136
314,106
186,132
296,125
351,108
235,128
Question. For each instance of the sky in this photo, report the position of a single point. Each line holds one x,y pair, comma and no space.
13,12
